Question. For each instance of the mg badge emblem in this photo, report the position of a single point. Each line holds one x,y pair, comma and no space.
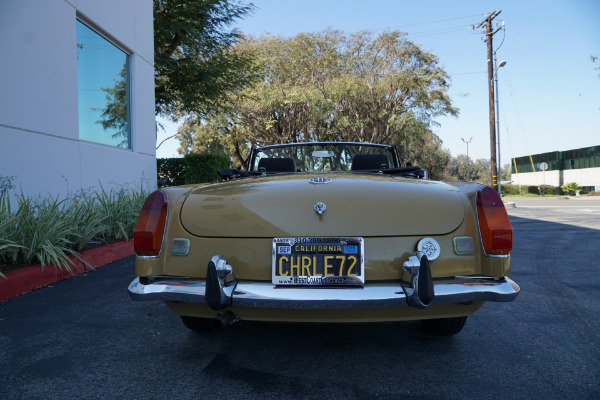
320,180
320,207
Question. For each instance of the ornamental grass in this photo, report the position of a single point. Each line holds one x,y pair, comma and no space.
49,230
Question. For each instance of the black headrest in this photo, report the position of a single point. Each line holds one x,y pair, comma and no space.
370,161
277,164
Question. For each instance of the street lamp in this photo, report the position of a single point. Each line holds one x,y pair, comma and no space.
468,165
499,164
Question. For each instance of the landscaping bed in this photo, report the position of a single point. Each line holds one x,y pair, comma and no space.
48,231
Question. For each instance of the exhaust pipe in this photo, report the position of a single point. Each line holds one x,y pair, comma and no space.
224,319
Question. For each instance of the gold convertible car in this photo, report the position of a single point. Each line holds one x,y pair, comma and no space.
324,232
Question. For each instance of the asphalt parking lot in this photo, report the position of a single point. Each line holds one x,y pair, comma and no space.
85,338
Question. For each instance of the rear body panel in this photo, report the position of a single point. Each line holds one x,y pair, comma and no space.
239,219
251,255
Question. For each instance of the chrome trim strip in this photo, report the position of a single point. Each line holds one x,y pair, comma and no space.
371,295
386,146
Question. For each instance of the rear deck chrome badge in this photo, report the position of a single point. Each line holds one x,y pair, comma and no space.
320,207
320,179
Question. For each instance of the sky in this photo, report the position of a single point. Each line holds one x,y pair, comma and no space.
549,91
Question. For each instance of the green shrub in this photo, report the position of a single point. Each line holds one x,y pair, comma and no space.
200,168
510,190
513,190
548,190
532,190
572,188
544,190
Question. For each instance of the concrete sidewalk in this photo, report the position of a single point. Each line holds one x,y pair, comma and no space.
586,202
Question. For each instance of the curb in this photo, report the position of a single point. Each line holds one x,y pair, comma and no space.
34,277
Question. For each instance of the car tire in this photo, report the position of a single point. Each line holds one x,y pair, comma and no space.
444,326
196,324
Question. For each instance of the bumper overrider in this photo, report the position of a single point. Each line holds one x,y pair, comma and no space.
219,292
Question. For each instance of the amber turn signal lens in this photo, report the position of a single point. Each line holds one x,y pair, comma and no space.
150,227
494,225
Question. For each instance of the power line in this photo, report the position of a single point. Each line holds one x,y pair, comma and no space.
438,32
468,73
441,20
459,27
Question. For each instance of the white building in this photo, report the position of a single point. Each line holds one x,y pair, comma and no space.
76,94
557,168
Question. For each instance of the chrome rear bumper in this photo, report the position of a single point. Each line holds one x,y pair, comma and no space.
371,295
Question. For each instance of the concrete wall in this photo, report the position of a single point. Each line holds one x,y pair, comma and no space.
551,178
582,176
39,138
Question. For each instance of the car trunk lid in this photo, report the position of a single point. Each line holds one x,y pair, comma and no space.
356,205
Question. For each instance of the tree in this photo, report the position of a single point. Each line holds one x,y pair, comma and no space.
115,116
459,168
195,68
505,172
198,138
480,171
422,147
335,86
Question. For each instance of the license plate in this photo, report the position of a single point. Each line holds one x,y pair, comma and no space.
318,261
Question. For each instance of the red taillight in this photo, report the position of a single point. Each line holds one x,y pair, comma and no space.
494,225
150,227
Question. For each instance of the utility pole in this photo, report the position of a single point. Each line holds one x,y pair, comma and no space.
490,60
496,68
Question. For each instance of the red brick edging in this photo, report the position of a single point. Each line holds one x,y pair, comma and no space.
33,277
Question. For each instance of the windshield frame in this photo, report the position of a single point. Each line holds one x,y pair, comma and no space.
395,161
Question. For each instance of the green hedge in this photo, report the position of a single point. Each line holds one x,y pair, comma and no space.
203,167
191,169
512,190
546,190
509,190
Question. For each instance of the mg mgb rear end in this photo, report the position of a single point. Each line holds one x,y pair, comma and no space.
324,232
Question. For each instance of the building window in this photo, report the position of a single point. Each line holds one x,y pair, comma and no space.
103,89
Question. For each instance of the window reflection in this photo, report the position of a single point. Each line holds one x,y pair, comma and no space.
103,89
